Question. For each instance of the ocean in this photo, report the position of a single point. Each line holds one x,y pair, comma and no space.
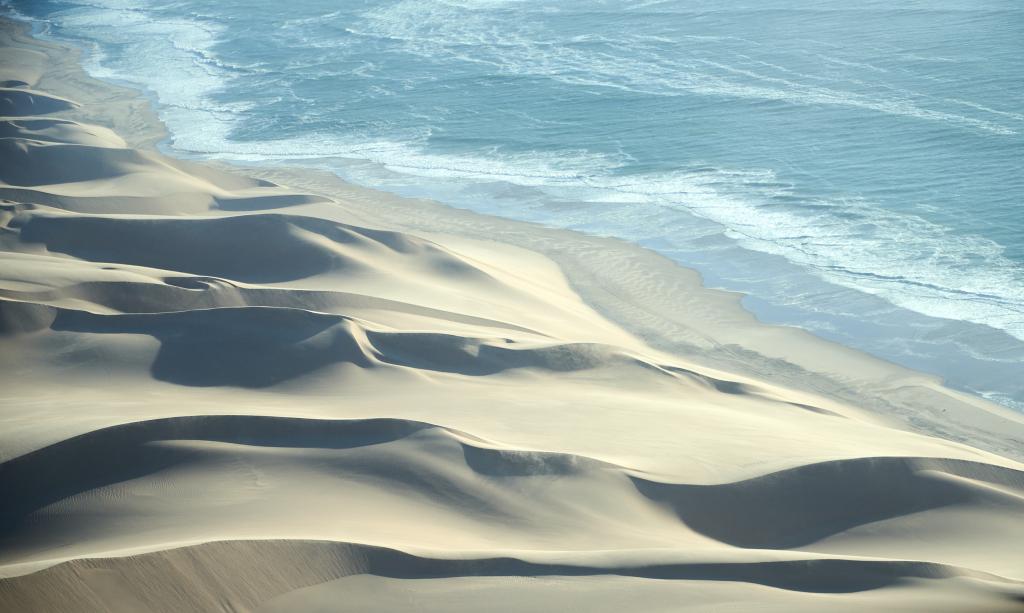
855,169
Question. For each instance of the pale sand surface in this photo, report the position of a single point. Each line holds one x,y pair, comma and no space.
221,394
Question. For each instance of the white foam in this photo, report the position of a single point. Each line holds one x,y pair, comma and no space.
909,261
170,57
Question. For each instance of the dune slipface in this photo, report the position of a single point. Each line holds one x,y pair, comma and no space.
224,394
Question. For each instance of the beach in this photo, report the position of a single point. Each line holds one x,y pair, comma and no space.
265,389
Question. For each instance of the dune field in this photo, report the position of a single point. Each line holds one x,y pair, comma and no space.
223,394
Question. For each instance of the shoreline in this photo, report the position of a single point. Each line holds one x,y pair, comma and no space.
679,315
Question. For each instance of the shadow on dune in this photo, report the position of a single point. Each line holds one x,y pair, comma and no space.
263,346
780,510
47,129
251,248
18,102
260,203
177,202
799,506
186,292
815,575
472,356
517,463
124,452
188,573
28,163
256,248
243,347
256,346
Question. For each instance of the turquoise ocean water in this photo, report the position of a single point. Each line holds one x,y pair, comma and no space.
857,172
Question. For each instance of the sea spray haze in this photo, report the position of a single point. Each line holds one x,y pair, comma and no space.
856,171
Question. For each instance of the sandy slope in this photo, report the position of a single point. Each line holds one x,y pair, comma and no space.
222,394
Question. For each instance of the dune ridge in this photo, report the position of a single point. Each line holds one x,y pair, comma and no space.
780,510
321,564
221,393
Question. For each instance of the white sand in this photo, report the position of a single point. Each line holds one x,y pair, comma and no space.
220,394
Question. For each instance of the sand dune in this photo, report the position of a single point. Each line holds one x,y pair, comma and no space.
221,393
355,577
19,102
454,476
